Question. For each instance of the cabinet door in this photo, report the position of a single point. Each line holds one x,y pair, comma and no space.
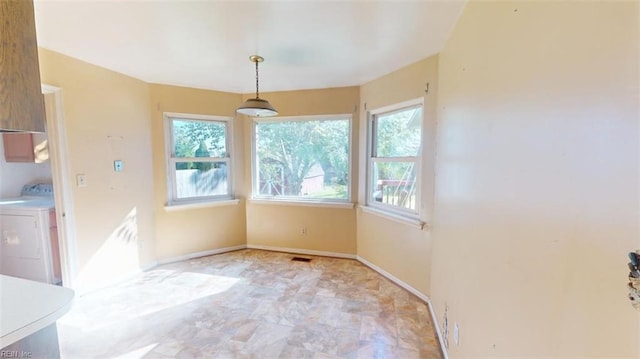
18,147
21,102
20,237
22,251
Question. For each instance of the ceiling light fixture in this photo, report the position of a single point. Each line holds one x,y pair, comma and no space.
257,107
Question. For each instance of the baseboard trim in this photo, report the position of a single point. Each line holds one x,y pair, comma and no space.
394,279
149,266
302,251
413,291
200,254
434,317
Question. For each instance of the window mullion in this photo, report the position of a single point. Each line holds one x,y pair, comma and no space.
374,139
395,159
201,159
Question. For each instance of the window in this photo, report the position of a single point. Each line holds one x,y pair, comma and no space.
395,146
199,165
302,159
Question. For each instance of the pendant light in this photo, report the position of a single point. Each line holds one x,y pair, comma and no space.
257,107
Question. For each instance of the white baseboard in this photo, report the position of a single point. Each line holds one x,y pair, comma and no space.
302,251
413,291
148,266
434,317
200,254
394,279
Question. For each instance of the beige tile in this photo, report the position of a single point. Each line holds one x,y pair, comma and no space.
314,337
295,313
384,351
270,311
245,330
251,304
169,348
325,356
290,351
268,340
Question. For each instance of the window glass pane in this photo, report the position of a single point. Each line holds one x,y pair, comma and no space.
394,183
307,159
198,179
199,139
397,134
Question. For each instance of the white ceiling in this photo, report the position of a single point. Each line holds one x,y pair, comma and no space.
206,44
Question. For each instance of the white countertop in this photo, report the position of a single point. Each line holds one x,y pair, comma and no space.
27,306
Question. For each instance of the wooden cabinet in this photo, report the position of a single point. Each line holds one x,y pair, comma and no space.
18,147
21,102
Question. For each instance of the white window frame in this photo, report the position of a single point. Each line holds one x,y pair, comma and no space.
256,197
172,199
370,187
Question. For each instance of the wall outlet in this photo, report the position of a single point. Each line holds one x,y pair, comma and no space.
303,231
456,334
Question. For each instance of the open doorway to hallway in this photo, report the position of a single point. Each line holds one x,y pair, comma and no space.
61,180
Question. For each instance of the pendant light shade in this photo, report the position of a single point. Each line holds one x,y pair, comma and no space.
257,107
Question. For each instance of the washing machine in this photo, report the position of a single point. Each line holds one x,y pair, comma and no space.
26,222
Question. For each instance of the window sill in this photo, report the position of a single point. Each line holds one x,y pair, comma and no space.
395,217
196,205
346,205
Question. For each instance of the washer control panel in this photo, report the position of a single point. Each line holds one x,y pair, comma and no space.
37,190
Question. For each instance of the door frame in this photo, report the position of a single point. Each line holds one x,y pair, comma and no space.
62,186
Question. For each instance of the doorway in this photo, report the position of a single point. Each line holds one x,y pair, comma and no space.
60,176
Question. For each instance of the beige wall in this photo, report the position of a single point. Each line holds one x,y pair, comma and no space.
401,249
106,118
537,179
195,230
328,229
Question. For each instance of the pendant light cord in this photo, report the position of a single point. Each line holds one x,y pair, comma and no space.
257,94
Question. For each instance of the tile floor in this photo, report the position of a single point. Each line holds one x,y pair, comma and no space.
251,304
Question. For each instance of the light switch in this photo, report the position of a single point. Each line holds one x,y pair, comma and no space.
118,166
81,180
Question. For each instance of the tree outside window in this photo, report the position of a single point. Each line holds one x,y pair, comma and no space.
395,152
199,160
303,158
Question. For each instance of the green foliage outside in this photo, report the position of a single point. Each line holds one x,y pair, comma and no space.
287,152
398,134
198,139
